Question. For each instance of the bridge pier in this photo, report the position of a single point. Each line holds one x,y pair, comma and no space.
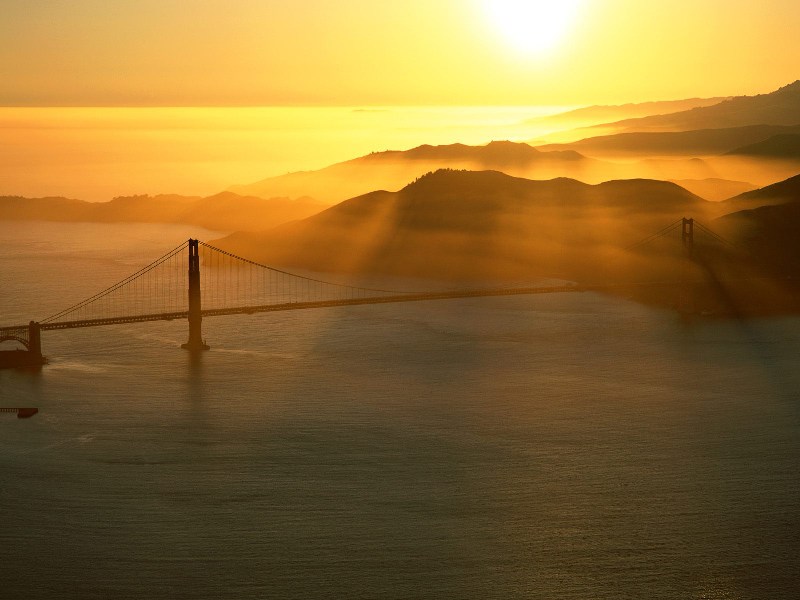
195,342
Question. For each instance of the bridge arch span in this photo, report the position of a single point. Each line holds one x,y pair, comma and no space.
27,335
20,336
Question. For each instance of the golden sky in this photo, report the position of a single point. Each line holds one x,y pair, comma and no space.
377,52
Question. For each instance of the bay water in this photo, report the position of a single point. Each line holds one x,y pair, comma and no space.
555,446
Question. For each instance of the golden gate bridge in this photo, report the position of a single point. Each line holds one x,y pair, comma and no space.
171,287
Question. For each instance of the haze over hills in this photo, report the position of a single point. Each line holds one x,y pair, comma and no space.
768,229
783,192
781,107
714,189
477,215
715,151
784,146
225,211
452,224
752,139
700,142
392,170
606,113
770,234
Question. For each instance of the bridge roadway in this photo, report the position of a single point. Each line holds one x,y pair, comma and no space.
214,312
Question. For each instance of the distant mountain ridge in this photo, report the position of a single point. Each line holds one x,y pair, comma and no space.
394,168
499,152
714,188
709,149
754,139
782,192
781,107
704,141
225,211
783,146
604,113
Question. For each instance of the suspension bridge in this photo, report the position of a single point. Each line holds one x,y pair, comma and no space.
171,287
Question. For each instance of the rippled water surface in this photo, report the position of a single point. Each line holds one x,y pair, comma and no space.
553,446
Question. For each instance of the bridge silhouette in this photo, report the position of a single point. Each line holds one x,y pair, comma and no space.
171,287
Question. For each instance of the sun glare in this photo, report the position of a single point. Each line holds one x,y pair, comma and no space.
533,26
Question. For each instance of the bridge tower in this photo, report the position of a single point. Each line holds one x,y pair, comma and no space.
195,342
687,296
687,236
35,341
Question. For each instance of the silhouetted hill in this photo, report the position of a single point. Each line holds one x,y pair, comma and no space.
769,235
768,247
392,169
499,153
708,142
468,224
606,113
714,188
54,208
162,208
225,211
781,107
782,192
783,146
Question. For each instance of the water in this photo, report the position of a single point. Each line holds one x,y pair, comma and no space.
554,446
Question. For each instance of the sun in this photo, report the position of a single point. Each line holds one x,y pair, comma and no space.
533,26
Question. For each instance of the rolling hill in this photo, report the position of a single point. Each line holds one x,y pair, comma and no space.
769,232
700,142
714,188
467,224
391,170
782,192
781,107
606,113
778,147
222,212
751,138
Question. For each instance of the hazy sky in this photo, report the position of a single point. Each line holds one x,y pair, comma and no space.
377,52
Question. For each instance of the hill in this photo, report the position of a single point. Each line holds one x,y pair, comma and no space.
52,208
779,147
467,224
769,235
765,223
700,142
391,170
714,188
605,113
782,192
222,212
781,107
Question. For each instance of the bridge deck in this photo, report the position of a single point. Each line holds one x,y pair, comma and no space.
445,295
